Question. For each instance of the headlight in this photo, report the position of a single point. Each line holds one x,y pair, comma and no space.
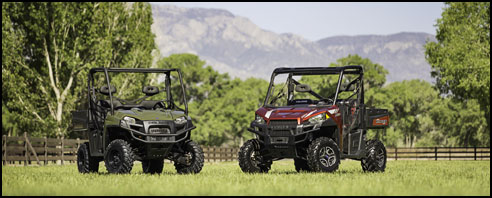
130,120
180,120
318,118
259,119
126,121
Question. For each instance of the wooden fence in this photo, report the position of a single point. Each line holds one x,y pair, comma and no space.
30,149
36,150
439,153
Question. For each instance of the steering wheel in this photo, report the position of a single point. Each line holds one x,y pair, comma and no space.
328,100
160,103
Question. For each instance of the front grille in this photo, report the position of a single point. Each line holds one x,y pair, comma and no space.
280,133
283,122
159,131
282,126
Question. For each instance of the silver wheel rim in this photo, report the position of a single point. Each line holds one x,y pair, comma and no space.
253,158
327,156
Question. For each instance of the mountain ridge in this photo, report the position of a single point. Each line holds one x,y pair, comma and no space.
234,44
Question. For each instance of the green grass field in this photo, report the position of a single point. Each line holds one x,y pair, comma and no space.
226,178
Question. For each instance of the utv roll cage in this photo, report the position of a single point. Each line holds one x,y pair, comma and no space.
351,69
93,107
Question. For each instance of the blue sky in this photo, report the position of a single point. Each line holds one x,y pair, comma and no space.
317,20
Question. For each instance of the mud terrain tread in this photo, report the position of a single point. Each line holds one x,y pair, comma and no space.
313,149
245,161
370,163
128,156
197,163
86,163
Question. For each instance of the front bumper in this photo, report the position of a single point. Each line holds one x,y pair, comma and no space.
159,131
280,140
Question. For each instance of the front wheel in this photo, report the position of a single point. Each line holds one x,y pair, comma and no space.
323,155
119,157
250,159
375,160
192,159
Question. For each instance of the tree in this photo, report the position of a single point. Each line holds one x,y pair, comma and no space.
460,58
407,109
48,49
374,74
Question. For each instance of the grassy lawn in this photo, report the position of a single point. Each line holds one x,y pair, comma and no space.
226,178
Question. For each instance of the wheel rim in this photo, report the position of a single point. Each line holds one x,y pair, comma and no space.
327,156
114,159
189,156
254,158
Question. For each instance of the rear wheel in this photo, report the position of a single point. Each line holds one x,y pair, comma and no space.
153,166
119,157
323,155
250,159
193,159
301,165
375,160
86,163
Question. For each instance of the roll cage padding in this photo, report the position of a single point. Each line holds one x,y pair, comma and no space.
150,90
303,88
105,90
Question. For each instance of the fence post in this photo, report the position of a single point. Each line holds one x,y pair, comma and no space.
25,148
435,152
215,154
396,153
475,151
45,150
5,149
62,145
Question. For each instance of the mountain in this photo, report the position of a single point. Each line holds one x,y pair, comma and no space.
235,45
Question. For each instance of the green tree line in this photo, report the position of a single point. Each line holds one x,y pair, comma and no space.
48,48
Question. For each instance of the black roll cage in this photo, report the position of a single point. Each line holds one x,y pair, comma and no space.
297,71
90,83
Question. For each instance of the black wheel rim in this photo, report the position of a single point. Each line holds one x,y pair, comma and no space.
327,156
114,159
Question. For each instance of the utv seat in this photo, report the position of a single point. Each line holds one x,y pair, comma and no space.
149,91
107,103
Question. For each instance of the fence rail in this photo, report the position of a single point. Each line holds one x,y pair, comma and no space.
36,150
439,153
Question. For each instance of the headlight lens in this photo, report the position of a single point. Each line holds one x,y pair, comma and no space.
130,120
259,119
180,120
317,118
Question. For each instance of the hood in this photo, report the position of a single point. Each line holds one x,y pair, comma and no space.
150,114
288,113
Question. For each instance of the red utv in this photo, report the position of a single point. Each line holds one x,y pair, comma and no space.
317,116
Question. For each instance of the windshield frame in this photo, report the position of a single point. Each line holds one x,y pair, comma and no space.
167,72
300,71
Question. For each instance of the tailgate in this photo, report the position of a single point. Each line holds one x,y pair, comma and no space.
377,118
